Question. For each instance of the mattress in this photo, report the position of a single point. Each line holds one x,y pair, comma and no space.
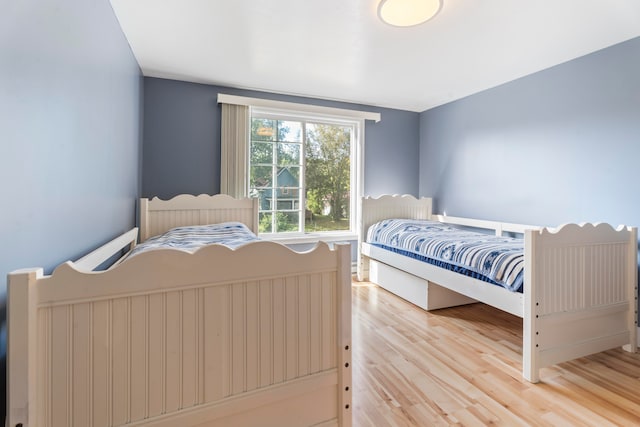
493,259
189,239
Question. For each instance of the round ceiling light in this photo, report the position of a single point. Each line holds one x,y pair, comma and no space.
407,13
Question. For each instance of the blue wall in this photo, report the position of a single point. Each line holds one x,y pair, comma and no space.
182,140
70,132
70,126
561,145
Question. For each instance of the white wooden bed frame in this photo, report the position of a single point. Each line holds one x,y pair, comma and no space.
580,291
257,336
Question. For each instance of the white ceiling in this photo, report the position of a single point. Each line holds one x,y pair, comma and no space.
339,50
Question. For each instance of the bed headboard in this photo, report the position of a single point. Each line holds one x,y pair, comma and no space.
393,206
158,216
374,209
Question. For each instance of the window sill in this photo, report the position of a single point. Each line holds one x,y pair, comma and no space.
301,238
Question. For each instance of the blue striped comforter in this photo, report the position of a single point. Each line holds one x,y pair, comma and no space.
189,239
498,260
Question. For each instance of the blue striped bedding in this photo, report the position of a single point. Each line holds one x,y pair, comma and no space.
190,238
497,260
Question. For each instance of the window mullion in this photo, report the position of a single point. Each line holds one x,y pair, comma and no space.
274,183
302,181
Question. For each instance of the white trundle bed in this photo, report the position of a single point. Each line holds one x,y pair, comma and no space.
255,336
579,294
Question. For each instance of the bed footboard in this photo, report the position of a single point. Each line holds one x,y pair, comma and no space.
580,293
260,335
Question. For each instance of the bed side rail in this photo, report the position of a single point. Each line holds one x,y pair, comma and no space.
498,227
97,257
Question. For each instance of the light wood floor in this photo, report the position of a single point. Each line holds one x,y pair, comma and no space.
461,366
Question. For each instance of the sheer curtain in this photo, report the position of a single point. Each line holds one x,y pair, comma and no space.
234,150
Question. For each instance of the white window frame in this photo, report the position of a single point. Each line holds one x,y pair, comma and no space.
317,114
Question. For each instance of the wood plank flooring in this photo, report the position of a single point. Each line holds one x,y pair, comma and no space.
461,366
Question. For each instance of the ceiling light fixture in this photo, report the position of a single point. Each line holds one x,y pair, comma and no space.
407,13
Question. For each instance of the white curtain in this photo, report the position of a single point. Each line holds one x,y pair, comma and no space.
234,150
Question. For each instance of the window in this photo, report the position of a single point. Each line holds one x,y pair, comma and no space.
303,161
303,171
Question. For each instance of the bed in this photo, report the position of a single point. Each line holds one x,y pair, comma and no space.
579,295
258,335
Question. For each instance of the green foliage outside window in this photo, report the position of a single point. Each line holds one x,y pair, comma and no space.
280,151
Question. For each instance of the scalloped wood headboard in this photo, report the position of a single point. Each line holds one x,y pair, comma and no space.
374,209
158,216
